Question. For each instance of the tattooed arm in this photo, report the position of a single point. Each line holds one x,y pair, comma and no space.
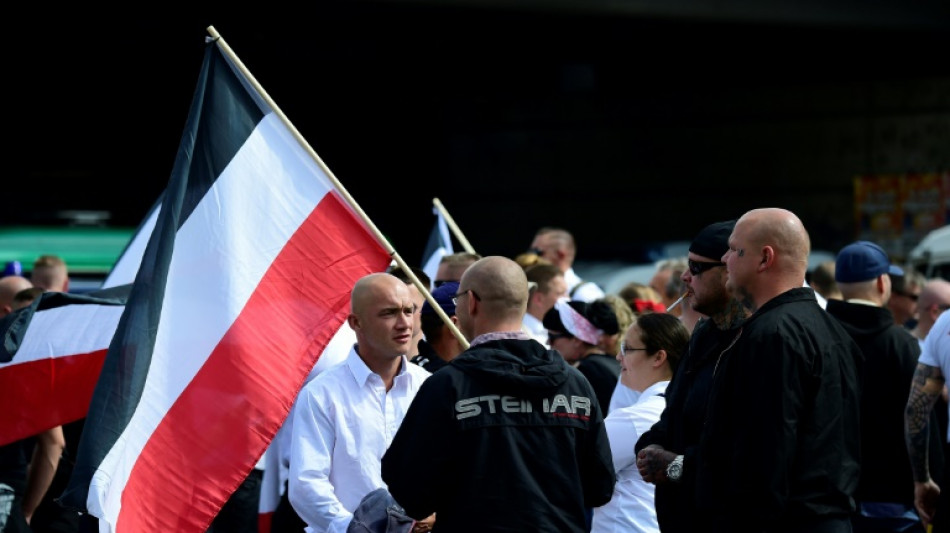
926,387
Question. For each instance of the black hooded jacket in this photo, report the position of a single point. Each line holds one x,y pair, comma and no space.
890,358
506,437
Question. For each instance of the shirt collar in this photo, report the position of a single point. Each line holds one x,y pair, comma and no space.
361,372
500,335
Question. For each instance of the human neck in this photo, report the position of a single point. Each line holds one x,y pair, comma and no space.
731,315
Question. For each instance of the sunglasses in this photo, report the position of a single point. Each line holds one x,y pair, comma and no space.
905,294
698,267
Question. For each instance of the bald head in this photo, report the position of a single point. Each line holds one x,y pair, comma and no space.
768,255
500,283
9,287
369,288
784,231
934,299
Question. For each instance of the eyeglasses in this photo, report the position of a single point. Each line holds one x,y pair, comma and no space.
555,336
624,349
905,294
698,267
455,299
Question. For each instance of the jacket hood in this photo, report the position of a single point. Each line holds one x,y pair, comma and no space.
522,367
861,320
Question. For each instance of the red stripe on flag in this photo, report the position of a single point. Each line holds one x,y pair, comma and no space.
213,434
46,393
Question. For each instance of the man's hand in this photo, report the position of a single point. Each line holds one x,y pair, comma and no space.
424,526
652,462
926,495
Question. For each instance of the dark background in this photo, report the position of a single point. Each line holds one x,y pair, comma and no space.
629,123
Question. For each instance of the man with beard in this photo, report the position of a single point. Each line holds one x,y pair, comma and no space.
667,452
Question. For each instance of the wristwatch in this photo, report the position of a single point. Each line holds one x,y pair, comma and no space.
674,470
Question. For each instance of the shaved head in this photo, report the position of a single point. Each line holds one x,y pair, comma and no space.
784,231
500,283
369,287
9,287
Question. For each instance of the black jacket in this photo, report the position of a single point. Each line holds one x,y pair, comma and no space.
780,448
506,437
890,358
602,371
681,423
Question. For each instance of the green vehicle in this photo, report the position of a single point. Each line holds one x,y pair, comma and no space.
89,251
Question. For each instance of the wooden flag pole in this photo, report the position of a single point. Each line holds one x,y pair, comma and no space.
453,226
339,186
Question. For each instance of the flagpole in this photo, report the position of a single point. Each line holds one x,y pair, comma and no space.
339,186
454,227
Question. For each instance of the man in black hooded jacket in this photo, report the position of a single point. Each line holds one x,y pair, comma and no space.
507,437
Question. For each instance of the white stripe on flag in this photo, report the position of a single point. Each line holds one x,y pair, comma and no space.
221,253
68,330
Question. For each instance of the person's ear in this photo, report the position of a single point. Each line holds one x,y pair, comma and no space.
767,258
660,358
353,321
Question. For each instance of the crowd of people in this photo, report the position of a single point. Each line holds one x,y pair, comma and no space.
736,391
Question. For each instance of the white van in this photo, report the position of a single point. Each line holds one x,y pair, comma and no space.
932,256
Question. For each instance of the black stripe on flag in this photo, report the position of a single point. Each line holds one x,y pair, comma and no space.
223,114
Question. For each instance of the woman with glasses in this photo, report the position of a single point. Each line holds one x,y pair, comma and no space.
651,349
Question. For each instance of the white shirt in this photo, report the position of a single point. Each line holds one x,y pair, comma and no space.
586,293
936,348
536,329
623,396
344,420
631,506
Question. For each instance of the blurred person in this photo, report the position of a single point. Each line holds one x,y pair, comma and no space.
933,300
345,418
527,260
822,279
508,437
417,299
546,285
885,492
452,266
575,330
930,494
625,318
665,282
642,298
796,467
9,287
674,438
557,246
50,273
648,356
439,345
905,290
27,466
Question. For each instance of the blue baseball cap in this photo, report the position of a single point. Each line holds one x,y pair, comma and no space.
863,261
442,294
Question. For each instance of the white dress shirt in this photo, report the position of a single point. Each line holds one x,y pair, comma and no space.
344,420
535,328
586,293
631,507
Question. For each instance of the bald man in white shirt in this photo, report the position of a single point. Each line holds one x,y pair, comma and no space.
345,419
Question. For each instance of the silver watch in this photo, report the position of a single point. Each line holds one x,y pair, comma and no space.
674,470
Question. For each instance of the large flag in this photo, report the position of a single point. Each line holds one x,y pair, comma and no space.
245,279
124,269
50,358
438,246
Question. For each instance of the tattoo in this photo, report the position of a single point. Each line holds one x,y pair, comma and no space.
655,464
740,252
927,385
733,314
